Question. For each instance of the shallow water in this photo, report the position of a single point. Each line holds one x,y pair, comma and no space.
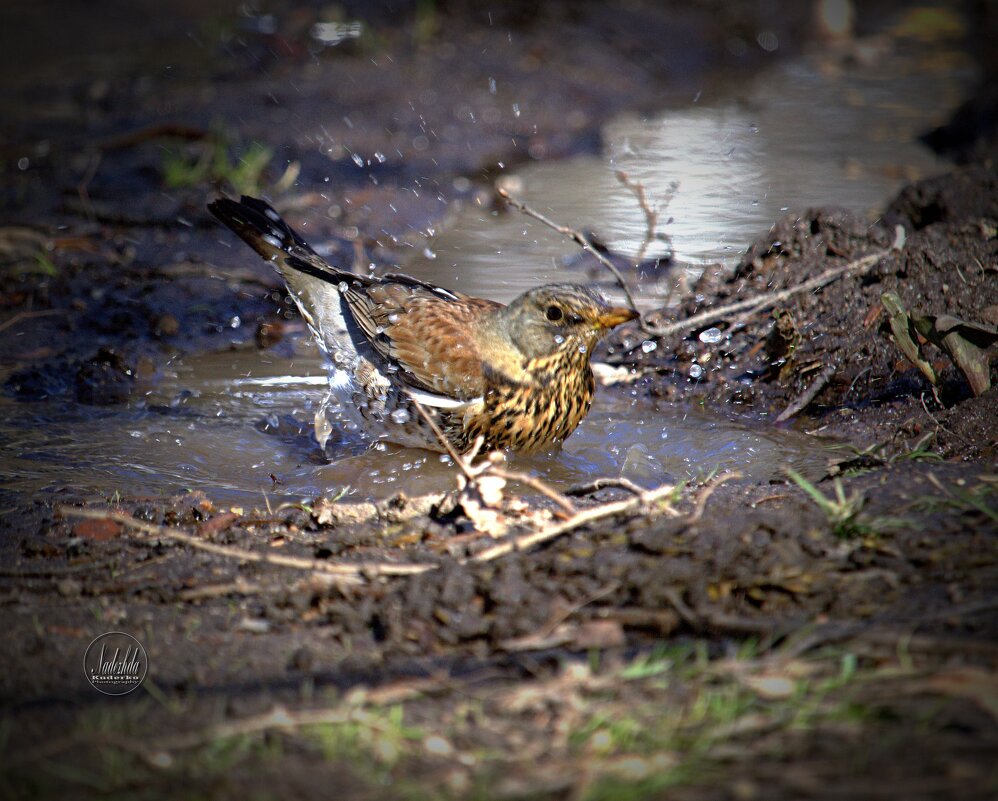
232,423
238,424
808,132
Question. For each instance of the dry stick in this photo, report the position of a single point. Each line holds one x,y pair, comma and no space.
808,395
463,463
531,481
606,483
526,541
27,315
451,451
580,238
707,491
859,266
651,215
356,571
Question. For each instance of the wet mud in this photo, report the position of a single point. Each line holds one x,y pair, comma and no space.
827,632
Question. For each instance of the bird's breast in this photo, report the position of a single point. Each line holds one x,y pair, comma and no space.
534,414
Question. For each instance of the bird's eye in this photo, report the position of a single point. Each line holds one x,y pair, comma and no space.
554,313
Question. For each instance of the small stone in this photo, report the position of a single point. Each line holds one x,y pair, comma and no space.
166,326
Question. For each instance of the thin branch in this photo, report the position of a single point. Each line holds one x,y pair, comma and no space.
348,571
542,487
808,395
707,491
27,315
578,236
527,541
651,215
859,266
606,483
451,451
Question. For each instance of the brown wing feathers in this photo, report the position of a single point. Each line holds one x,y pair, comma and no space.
431,347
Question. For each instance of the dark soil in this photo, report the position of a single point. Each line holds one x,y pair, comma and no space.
737,640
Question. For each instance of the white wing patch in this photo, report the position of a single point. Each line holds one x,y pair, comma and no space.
440,401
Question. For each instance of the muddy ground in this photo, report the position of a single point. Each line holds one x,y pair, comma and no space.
728,639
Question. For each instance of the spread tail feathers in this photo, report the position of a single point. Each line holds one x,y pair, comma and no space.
262,228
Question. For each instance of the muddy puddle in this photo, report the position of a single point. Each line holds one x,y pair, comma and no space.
238,426
720,172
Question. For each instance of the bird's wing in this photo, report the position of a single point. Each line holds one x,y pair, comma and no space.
426,332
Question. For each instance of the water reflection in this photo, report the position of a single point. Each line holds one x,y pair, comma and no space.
806,133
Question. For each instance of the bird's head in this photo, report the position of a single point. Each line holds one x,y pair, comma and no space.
560,318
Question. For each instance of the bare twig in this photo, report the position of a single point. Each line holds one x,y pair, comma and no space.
206,592
458,460
651,214
541,486
578,236
809,394
859,266
355,571
527,541
27,315
707,491
606,483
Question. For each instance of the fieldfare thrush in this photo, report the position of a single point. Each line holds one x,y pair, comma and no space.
517,375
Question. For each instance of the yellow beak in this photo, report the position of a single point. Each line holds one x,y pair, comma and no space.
615,316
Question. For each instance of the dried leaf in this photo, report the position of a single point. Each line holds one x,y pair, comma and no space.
965,342
99,530
905,334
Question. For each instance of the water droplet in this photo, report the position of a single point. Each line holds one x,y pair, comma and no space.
695,371
429,253
558,339
649,345
23,163
583,349
445,458
400,416
235,322
272,240
711,336
393,318
381,157
357,159
516,109
342,286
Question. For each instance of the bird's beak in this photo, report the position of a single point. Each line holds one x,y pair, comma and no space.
614,316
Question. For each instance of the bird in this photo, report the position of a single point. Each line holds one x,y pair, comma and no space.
404,351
